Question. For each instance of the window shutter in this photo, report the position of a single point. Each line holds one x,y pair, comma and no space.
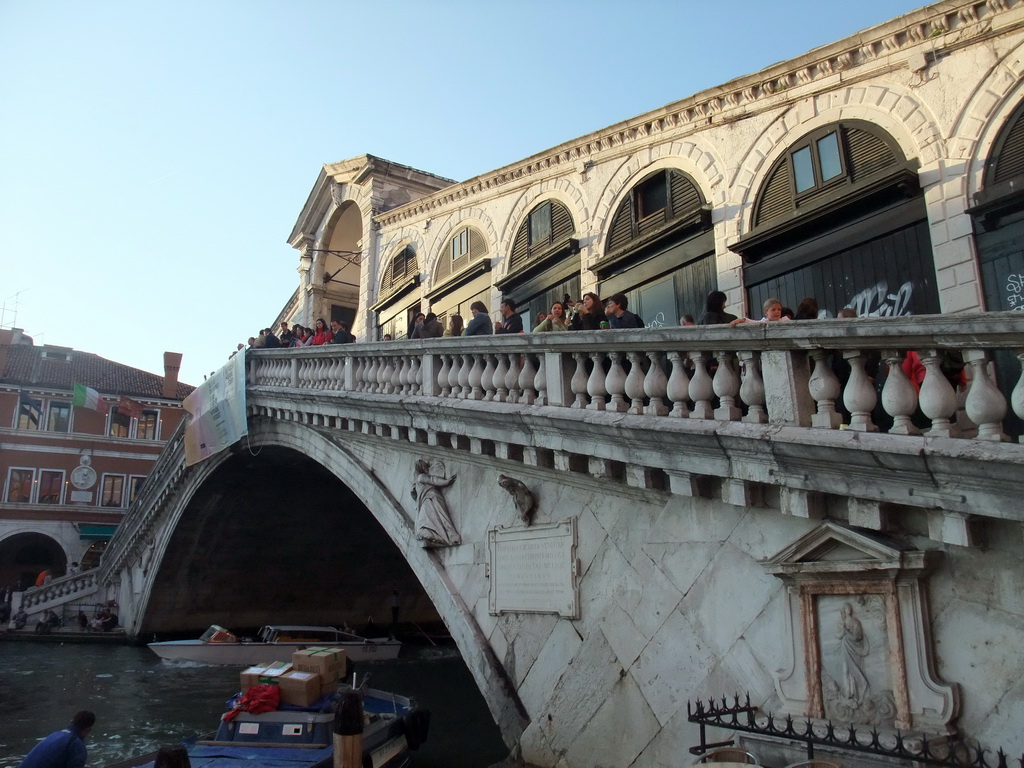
866,153
684,197
776,195
561,222
1009,162
621,230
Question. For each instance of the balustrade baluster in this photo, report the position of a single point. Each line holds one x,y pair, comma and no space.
1017,396
635,383
475,377
334,374
357,377
937,396
726,385
986,405
321,367
500,374
487,377
899,399
656,385
752,388
578,383
384,372
860,398
825,388
512,377
464,371
527,378
615,383
399,374
370,375
343,371
679,385
596,383
416,376
701,388
540,382
442,375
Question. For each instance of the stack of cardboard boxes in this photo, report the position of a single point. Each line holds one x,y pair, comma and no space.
310,674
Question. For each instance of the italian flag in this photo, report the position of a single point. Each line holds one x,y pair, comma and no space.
86,397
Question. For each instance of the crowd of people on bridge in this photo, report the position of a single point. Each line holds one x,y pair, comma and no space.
589,313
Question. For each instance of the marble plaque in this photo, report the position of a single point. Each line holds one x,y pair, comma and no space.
534,570
85,496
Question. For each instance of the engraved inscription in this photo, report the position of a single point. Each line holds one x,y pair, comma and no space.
533,570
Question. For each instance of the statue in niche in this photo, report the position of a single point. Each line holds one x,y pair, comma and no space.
434,525
522,497
854,646
850,668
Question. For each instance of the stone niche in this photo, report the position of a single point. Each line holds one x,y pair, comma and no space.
857,626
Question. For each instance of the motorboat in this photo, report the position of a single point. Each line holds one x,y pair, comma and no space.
275,641
391,726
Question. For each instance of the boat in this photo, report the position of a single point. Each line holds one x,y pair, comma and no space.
391,726
219,646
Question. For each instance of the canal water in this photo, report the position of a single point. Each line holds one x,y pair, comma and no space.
142,702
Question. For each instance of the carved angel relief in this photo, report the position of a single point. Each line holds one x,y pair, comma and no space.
434,526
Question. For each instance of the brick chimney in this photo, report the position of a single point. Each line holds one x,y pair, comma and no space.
172,363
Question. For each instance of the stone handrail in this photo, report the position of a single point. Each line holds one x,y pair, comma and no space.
59,591
771,373
150,501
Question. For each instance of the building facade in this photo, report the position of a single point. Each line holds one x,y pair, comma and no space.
881,172
70,471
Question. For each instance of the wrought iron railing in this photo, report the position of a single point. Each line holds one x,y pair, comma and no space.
914,747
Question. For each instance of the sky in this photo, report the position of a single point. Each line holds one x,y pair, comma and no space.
154,157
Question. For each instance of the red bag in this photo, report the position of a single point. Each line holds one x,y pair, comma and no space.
258,699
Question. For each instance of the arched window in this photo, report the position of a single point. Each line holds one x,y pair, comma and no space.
544,264
840,217
461,275
395,307
463,249
660,250
402,268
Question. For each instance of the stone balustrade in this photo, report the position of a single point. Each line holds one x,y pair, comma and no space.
778,373
59,591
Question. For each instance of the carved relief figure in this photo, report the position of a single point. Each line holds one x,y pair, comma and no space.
855,681
522,496
854,647
434,525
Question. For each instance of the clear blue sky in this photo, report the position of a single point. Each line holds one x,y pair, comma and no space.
155,156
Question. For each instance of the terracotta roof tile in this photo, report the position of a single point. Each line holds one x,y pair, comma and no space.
27,365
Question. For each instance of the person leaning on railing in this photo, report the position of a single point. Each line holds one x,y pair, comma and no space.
555,321
590,315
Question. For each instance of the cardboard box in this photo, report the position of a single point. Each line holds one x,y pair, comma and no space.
300,688
273,671
329,663
250,676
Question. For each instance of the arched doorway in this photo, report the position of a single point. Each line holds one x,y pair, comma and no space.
342,260
24,556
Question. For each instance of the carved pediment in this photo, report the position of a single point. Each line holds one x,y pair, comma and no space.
835,551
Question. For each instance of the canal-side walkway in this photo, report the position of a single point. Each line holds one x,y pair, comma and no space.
28,634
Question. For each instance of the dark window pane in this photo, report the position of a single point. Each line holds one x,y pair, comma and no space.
119,424
651,197
59,417
30,413
828,156
51,485
113,490
146,429
19,486
803,171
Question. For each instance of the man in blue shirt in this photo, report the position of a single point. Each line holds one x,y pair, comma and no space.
619,316
513,323
64,748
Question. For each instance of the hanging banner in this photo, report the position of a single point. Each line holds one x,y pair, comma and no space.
216,412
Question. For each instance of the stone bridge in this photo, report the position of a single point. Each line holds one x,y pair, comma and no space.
715,510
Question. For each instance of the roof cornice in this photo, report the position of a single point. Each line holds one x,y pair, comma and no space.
944,26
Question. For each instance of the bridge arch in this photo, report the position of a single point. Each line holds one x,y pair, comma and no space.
330,484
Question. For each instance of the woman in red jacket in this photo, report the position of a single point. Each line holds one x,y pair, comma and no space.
322,334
